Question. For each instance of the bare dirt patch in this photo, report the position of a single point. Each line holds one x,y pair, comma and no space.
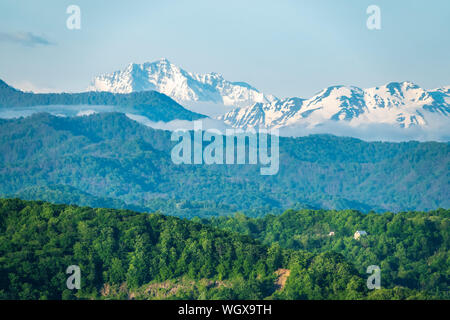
283,275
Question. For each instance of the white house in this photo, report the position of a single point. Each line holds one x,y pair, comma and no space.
331,234
358,234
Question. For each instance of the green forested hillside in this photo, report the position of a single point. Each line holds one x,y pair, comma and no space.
108,156
124,254
151,104
411,248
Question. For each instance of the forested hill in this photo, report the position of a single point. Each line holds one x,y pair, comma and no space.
123,254
86,159
411,248
151,104
128,255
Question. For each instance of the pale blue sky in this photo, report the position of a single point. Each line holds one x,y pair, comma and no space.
285,48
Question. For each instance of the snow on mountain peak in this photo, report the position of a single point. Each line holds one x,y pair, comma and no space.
403,104
182,86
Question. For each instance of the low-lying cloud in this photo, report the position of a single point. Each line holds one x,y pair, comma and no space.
440,131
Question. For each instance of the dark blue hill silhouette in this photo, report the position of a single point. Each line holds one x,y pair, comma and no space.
151,104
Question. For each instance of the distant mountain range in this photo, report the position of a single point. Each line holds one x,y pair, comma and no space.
396,104
180,85
150,104
108,156
397,111
402,104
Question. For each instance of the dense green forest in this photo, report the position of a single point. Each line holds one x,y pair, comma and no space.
411,248
151,104
124,254
109,160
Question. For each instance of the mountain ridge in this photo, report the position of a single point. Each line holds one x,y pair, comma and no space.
154,105
181,85
402,104
397,104
108,155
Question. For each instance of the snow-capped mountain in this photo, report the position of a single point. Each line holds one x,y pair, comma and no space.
402,104
179,84
273,114
396,104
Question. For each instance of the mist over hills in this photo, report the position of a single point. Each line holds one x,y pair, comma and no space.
396,111
402,104
151,104
110,156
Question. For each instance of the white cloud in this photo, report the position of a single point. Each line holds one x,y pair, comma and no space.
28,86
27,39
439,131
